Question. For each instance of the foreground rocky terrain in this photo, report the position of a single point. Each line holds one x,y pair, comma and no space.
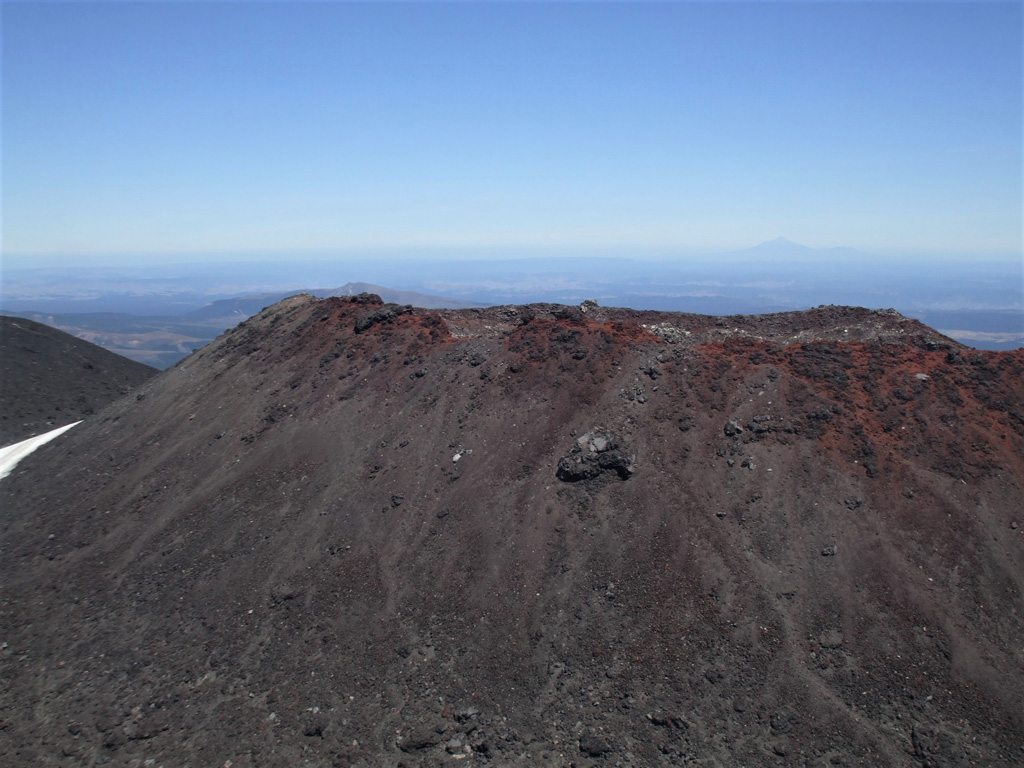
356,534
49,378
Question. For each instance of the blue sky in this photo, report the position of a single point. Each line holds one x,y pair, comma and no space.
178,128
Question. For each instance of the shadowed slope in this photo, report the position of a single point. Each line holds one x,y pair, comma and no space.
49,378
339,534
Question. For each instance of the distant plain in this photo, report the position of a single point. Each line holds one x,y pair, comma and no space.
158,312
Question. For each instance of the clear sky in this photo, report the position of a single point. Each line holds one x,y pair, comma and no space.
196,127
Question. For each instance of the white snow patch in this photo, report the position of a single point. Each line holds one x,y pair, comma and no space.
12,454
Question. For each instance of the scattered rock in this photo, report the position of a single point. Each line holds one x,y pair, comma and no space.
593,745
314,724
420,737
665,719
830,638
782,720
615,670
936,746
282,593
668,333
732,428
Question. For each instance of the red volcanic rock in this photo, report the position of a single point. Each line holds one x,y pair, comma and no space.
329,540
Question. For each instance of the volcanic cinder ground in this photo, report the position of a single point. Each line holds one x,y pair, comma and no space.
356,534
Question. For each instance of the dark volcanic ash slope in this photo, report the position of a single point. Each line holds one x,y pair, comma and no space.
49,378
350,533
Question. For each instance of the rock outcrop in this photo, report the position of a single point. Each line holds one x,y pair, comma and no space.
597,453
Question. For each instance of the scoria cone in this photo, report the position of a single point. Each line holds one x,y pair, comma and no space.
340,535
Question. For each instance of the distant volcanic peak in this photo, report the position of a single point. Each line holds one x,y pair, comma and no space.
782,244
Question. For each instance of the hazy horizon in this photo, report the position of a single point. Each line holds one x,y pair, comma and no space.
978,302
173,261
